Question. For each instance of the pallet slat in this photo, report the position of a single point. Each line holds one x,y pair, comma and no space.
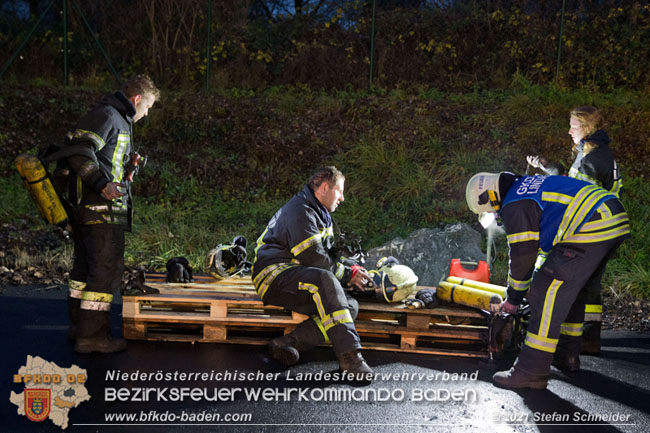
228,311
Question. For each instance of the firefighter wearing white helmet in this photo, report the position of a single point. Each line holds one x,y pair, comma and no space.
578,226
482,194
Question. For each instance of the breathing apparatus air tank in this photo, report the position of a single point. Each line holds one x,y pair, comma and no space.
41,189
499,290
469,296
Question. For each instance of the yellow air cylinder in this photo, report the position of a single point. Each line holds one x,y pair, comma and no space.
41,189
499,290
469,296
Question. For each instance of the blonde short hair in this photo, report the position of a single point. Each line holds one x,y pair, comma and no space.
588,117
140,85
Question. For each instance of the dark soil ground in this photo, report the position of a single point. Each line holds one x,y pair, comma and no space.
620,311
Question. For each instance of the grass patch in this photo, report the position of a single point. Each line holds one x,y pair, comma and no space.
224,168
19,258
16,201
628,271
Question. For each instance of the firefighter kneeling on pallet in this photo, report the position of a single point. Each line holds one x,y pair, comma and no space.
293,268
579,226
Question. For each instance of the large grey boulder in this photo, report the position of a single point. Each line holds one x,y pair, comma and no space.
429,251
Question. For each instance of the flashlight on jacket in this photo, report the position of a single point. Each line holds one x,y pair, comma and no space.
133,165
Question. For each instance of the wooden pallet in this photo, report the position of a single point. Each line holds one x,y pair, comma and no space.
228,311
440,331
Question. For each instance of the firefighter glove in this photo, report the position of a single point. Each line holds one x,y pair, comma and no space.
179,270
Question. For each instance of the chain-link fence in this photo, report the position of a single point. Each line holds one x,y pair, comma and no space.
444,44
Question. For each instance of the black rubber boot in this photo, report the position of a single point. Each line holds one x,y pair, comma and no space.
566,357
590,338
567,364
517,378
284,350
353,362
73,314
94,333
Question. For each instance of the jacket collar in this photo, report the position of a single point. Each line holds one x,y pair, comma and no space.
121,103
599,138
324,214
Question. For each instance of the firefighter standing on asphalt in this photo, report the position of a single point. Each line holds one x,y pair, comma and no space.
99,148
293,268
578,226
594,163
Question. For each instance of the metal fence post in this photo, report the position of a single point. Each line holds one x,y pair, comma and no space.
65,42
207,54
559,43
372,41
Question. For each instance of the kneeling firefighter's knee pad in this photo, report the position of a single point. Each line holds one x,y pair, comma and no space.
353,307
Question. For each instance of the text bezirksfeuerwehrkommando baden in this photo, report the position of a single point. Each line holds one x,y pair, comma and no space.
275,394
229,392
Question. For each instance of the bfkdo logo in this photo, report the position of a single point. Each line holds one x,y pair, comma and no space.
49,391
37,403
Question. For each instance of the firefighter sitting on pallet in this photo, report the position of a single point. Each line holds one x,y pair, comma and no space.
578,226
293,269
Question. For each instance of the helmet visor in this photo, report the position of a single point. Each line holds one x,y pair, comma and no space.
486,219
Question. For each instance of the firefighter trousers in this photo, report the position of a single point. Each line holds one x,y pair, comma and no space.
98,265
557,302
317,293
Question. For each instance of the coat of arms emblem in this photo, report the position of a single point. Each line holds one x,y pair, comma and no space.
37,404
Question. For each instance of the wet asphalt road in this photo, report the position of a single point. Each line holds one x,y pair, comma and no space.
614,384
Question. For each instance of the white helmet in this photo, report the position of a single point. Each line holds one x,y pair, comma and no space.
483,196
